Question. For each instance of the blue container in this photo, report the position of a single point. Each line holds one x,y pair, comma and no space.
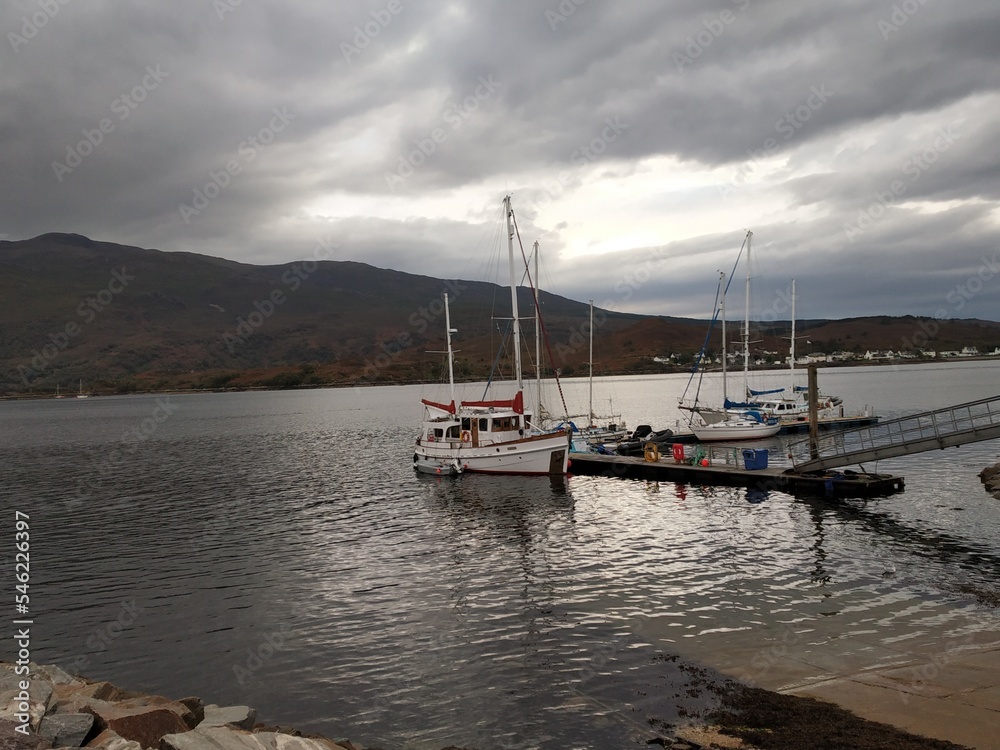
755,459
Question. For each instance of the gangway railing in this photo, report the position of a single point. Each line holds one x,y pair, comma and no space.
942,428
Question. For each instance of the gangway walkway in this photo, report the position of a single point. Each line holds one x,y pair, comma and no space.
931,430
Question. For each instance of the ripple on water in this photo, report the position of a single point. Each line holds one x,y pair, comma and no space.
283,554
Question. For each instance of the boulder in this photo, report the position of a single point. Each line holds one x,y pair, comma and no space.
241,717
75,703
211,738
111,740
197,708
102,691
143,724
190,716
39,692
990,472
282,741
11,739
66,730
229,738
56,676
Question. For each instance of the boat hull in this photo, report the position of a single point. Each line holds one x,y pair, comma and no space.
438,468
735,431
541,454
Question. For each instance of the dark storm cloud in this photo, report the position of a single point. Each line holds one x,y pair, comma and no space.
251,129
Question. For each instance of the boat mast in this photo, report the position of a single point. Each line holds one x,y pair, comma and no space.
591,363
746,326
725,353
791,348
538,336
451,357
513,292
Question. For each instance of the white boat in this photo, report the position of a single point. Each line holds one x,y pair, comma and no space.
586,439
492,436
81,394
733,421
791,405
750,425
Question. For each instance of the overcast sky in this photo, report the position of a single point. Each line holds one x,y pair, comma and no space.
640,140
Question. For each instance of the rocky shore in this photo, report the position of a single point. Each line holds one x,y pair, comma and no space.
48,708
991,479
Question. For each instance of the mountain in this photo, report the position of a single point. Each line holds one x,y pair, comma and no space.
123,318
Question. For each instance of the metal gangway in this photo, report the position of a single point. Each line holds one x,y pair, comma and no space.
930,430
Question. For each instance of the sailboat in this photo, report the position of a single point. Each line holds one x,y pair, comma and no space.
489,436
733,421
81,394
58,394
586,438
791,405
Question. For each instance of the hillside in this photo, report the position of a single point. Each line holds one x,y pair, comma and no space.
122,318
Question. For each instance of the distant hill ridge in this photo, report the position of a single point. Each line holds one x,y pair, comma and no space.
121,317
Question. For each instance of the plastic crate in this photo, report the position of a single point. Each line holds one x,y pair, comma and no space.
755,459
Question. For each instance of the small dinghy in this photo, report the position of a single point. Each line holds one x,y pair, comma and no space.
437,467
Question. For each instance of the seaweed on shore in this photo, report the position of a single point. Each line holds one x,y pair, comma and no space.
776,721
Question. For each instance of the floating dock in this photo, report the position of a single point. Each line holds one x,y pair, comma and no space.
823,483
830,423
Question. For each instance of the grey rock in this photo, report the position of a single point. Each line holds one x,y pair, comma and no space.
281,741
11,739
242,717
111,740
211,738
39,692
56,676
66,730
228,738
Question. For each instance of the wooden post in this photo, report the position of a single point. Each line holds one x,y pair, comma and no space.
813,411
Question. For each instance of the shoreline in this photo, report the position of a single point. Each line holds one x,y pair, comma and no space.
50,708
360,383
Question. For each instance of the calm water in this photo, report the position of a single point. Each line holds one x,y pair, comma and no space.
276,549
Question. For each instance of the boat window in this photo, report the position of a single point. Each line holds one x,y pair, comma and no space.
453,431
438,433
527,421
515,423
484,424
466,423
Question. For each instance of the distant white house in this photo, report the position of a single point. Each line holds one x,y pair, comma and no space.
880,355
840,356
969,351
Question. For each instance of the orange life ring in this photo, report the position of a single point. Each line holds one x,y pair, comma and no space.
651,452
466,436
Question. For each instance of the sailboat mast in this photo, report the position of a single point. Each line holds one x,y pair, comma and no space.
791,348
538,337
746,325
591,363
725,353
451,358
513,292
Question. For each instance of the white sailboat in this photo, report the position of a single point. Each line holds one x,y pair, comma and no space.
586,438
791,405
492,436
733,421
81,394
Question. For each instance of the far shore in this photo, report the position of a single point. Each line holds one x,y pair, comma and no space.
363,383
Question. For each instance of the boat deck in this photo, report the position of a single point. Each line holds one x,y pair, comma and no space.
824,483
